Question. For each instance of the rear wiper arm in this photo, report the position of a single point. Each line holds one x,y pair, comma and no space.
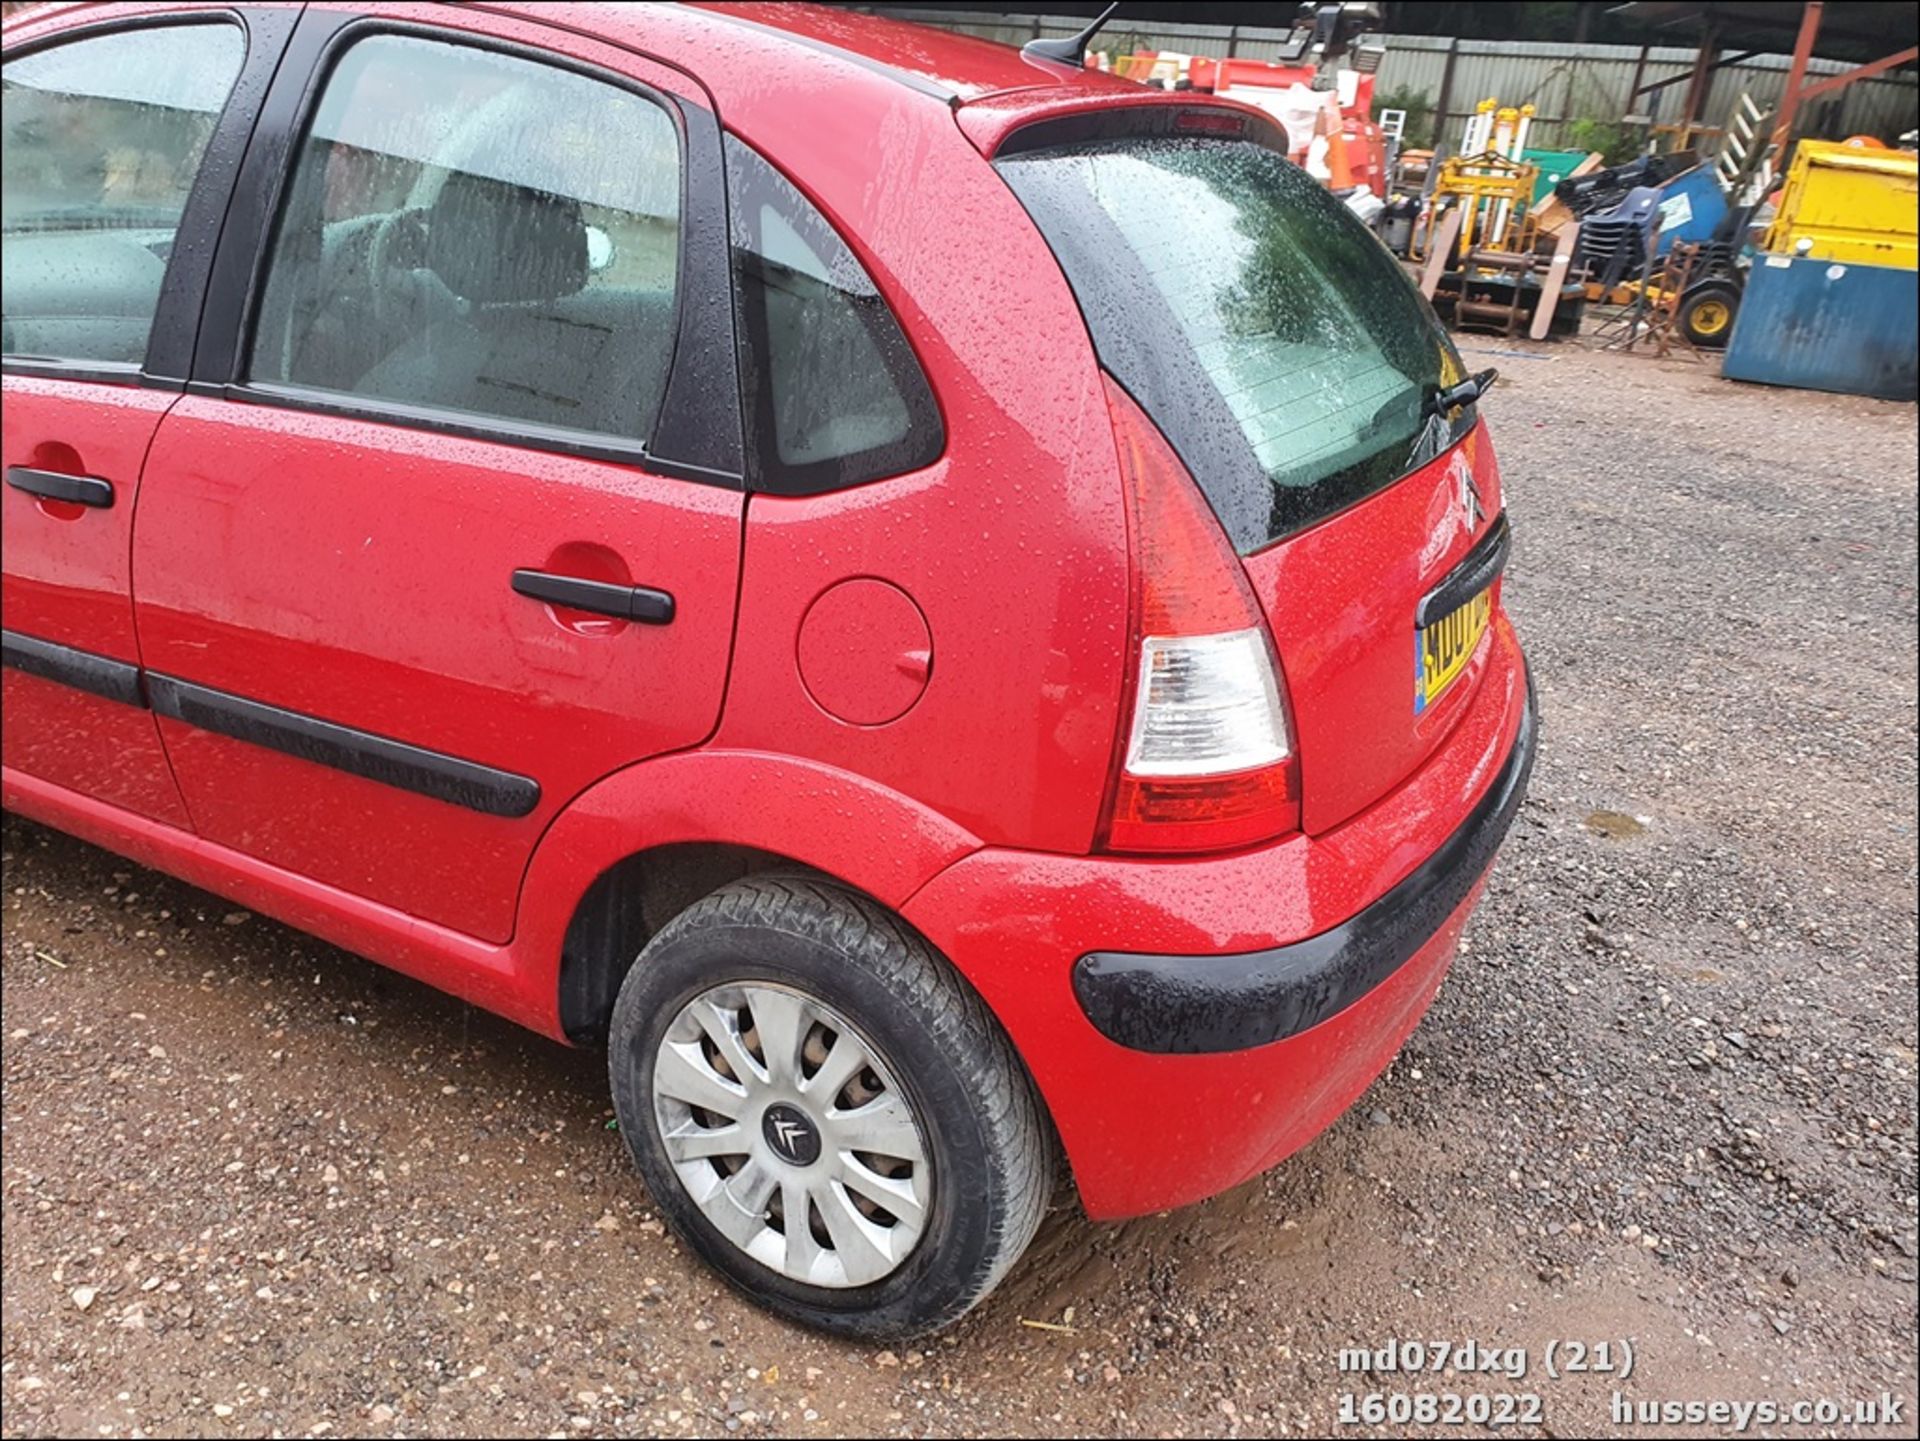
1439,402
1436,429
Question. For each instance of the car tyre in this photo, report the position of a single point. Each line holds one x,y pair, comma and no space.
750,954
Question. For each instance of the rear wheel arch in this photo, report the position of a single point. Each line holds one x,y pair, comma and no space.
701,818
630,902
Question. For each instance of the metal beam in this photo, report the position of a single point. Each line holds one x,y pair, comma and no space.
1720,64
1639,74
1703,66
1440,115
1797,74
1860,72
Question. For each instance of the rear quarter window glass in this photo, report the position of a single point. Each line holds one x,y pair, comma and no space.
833,391
1279,346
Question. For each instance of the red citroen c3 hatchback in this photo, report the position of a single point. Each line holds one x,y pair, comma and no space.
944,606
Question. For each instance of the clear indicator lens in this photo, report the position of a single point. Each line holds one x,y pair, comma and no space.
1206,705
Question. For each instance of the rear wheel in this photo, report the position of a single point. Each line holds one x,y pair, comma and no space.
824,1112
1707,311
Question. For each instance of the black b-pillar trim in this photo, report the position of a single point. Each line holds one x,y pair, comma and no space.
699,430
83,670
395,763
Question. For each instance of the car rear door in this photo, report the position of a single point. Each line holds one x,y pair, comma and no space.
120,145
449,525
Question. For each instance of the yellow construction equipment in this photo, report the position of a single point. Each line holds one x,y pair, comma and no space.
1476,232
1850,204
1489,183
1494,195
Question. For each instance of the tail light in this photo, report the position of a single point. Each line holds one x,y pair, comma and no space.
1207,761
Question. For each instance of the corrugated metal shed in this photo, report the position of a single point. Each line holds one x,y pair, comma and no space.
1564,82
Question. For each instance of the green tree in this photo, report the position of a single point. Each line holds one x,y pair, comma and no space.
1616,143
1421,128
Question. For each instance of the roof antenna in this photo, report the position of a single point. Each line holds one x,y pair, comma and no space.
1070,49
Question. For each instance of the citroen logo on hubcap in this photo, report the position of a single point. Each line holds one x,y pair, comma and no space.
794,1138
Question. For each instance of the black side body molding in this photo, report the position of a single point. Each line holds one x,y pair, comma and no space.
82,669
1477,570
395,763
1192,1005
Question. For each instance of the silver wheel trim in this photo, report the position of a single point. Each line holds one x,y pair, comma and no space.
771,1046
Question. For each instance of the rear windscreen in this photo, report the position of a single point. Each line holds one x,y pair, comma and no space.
1279,346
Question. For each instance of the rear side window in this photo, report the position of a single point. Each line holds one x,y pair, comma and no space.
1280,347
835,394
473,233
102,141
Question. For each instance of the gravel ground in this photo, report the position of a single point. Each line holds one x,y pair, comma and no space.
254,1185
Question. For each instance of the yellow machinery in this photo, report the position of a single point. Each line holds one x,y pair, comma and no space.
1476,232
1494,195
1849,204
1489,184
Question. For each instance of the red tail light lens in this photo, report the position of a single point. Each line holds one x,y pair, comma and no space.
1206,760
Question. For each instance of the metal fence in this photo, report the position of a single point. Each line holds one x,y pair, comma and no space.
1564,82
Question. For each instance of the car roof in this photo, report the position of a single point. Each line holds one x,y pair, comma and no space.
944,65
964,66
730,43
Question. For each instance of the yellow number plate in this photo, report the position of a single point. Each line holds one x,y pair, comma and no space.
1445,647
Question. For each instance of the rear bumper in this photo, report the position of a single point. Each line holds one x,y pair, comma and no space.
1185,1005
1190,1023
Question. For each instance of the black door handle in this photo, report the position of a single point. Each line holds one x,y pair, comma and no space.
82,489
628,602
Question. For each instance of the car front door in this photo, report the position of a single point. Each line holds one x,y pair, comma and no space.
448,526
120,143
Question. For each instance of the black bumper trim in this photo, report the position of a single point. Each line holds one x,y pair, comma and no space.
1192,1005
